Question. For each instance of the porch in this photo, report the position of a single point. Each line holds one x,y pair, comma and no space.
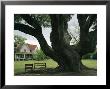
23,56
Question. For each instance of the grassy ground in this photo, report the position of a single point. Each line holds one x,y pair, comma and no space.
20,65
90,63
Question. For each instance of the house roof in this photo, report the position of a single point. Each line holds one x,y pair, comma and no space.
31,46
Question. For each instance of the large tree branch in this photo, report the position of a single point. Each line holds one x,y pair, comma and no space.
57,34
54,36
30,20
82,19
44,46
86,21
37,32
24,28
34,32
85,41
90,20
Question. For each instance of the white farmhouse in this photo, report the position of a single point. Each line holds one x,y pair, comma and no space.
25,52
28,48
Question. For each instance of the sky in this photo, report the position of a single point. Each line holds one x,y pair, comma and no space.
32,39
72,25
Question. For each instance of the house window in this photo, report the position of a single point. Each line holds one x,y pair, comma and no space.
21,56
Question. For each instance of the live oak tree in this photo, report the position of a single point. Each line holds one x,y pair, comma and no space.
68,57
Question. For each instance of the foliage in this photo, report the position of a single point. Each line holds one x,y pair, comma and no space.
18,41
43,19
17,18
88,32
39,55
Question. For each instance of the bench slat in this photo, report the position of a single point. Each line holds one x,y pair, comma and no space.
37,66
28,67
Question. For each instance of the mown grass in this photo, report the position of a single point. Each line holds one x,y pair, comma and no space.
19,66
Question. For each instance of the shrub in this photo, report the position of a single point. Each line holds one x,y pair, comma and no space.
39,55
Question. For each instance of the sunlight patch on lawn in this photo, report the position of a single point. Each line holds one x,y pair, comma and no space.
90,63
19,66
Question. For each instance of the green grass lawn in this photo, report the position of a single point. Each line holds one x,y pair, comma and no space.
90,63
20,65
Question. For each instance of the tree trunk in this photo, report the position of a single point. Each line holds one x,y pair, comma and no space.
87,41
71,59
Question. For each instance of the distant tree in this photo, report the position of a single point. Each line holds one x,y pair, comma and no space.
18,41
39,55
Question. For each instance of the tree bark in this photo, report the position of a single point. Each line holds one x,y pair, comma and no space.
69,55
87,44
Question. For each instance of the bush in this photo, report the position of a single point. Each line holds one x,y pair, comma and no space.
39,55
